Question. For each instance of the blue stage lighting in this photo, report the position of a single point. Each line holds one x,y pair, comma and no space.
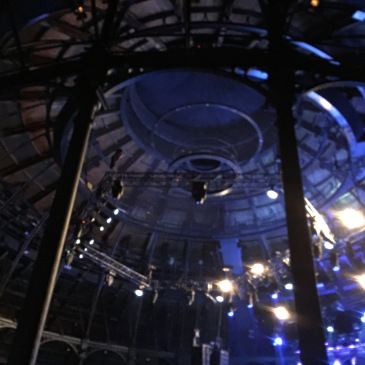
278,341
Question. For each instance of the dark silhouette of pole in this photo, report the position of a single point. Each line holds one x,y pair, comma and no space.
35,308
281,78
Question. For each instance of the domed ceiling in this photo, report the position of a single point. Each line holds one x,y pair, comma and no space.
183,149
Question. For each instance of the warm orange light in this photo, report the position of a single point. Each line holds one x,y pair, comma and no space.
281,313
314,3
80,9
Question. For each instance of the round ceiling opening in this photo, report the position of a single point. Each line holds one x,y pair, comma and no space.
178,112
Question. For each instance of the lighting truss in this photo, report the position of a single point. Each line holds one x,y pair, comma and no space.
184,179
111,264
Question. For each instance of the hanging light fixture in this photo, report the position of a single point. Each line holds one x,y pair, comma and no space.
272,193
117,189
199,191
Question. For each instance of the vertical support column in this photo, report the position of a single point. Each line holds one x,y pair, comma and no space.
308,312
27,339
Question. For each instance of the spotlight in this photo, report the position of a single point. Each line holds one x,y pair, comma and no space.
337,362
336,268
288,286
199,191
351,218
219,298
78,241
281,313
358,15
272,194
225,286
275,296
116,211
257,269
330,329
109,220
117,189
138,292
80,13
363,318
81,256
91,242
230,314
249,306
101,228
278,341
328,245
361,280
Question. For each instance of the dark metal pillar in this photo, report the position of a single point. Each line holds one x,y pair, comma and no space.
35,308
308,312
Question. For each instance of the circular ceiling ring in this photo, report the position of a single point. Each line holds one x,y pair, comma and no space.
329,98
234,111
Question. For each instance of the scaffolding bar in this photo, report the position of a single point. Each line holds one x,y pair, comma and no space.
34,312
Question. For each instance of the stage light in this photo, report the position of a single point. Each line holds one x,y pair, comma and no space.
337,362
257,74
351,218
353,361
281,313
336,268
199,191
361,280
249,306
219,298
91,242
328,245
116,211
278,341
257,269
275,296
117,189
314,3
230,314
101,228
81,256
225,286
359,15
272,194
289,286
78,241
363,318
138,292
330,329
109,220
